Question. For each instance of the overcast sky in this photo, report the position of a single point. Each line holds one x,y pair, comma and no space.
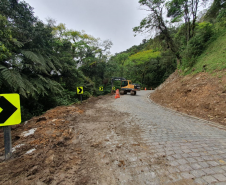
106,19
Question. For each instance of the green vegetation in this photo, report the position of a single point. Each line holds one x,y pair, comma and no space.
148,64
198,44
45,63
40,61
213,58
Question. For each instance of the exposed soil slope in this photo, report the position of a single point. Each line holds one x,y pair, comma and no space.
202,95
48,149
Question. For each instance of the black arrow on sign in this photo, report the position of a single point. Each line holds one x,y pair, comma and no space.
8,109
80,90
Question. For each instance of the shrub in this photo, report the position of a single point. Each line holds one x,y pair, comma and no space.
197,44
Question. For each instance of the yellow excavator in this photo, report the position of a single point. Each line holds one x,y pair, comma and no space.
126,86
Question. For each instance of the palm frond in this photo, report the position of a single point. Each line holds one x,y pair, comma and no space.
45,85
50,63
13,79
17,43
56,62
30,55
39,62
30,89
43,61
38,84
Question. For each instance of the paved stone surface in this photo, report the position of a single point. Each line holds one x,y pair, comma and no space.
220,177
174,147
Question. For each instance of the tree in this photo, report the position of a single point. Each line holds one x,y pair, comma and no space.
187,9
155,21
121,59
28,66
6,39
143,60
216,7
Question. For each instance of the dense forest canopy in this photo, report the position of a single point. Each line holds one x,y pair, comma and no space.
46,62
40,61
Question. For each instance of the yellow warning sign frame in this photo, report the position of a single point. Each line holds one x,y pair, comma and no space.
78,90
15,118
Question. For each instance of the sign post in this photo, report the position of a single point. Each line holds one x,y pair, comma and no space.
10,114
80,91
7,142
101,88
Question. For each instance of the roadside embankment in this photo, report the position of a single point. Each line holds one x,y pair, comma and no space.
202,95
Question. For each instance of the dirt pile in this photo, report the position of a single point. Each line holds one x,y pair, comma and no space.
46,149
202,95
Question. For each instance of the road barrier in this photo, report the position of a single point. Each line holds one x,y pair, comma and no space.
117,94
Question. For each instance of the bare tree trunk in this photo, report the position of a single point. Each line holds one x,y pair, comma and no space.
187,21
164,30
142,79
194,15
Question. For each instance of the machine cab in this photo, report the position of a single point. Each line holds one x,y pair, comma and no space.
125,83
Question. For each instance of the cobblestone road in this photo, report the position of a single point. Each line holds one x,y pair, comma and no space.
169,148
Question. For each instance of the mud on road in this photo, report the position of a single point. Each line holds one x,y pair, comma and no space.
58,147
83,144
115,141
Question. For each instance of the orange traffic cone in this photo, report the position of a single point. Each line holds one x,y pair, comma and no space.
117,94
145,89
